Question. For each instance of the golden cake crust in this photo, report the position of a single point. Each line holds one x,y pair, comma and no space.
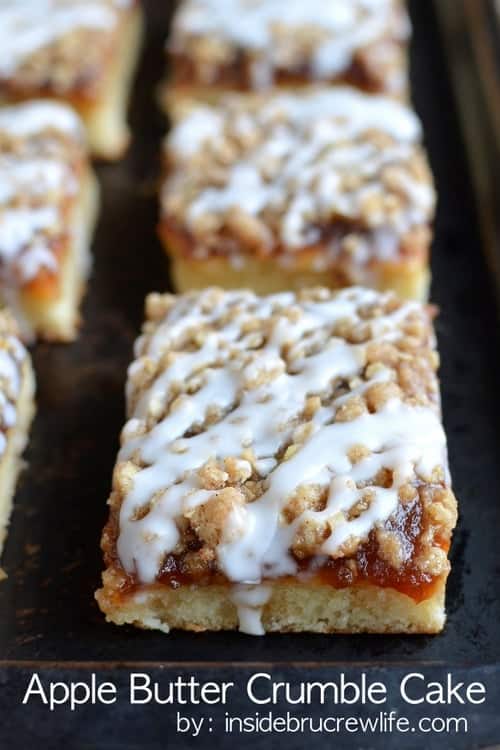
378,515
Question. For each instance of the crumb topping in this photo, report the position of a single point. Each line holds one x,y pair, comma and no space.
283,173
264,432
42,154
319,39
12,359
56,44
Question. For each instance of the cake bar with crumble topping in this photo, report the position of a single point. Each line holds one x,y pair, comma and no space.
283,467
48,207
17,387
285,191
81,52
221,45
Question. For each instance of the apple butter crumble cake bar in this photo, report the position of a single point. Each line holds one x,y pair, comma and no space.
81,52
220,45
48,206
284,191
283,468
17,387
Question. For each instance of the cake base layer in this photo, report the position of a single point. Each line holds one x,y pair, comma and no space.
265,276
11,461
106,119
57,318
291,607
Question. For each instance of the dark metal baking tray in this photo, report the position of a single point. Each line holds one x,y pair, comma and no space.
48,618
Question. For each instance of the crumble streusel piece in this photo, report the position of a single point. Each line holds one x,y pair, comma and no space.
283,467
83,53
221,45
48,206
17,407
284,191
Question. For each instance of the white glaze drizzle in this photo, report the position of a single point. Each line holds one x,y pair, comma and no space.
344,26
27,26
250,601
321,141
12,357
255,542
34,178
29,118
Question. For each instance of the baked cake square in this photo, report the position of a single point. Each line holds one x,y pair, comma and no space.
283,467
48,206
17,387
221,45
81,52
286,191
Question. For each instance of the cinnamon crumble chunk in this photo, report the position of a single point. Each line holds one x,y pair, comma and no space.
288,190
83,53
48,204
303,480
220,45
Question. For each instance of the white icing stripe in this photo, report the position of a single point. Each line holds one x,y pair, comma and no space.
329,114
249,601
36,177
33,117
342,27
402,438
18,225
29,25
12,356
310,159
261,413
